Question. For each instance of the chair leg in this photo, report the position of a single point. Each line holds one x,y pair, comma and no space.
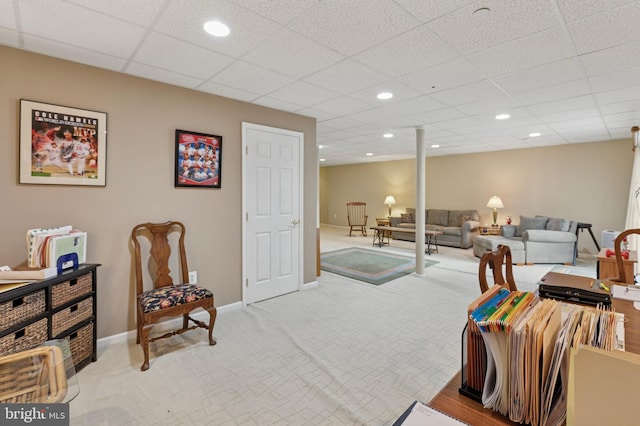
213,312
185,321
145,330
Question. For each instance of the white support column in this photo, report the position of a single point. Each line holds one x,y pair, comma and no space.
420,203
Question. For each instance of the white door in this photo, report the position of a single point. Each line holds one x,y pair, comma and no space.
272,232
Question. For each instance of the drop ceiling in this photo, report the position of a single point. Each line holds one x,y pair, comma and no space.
567,69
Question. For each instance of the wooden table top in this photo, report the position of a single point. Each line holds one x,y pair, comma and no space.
456,405
409,230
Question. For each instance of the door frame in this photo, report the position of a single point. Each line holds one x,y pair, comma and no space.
247,126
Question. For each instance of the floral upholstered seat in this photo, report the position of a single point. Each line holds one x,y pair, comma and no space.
173,295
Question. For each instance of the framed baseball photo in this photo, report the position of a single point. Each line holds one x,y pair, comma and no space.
198,160
62,145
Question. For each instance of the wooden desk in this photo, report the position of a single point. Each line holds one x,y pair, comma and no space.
451,402
608,268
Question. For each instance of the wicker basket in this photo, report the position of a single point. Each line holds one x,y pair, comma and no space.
81,343
67,318
31,336
33,376
69,290
13,312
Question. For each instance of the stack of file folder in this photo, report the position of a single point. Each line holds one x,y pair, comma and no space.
527,341
46,246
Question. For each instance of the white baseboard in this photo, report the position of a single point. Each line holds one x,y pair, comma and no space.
173,324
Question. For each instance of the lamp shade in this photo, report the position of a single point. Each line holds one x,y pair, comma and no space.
390,201
495,202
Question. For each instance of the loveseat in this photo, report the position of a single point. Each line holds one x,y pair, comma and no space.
538,239
458,227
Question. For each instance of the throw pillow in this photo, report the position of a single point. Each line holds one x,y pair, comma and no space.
558,225
407,218
463,219
527,223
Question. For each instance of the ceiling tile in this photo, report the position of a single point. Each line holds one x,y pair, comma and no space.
73,53
332,23
566,90
139,12
577,102
174,55
8,16
163,75
574,10
444,76
82,27
619,95
607,60
304,57
252,78
281,11
9,38
479,90
228,92
541,76
346,77
302,93
342,106
411,51
533,50
615,80
184,19
609,29
507,21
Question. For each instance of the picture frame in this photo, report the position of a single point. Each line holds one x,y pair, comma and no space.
61,145
198,160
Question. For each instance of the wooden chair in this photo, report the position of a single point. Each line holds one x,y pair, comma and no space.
495,260
622,275
357,216
166,299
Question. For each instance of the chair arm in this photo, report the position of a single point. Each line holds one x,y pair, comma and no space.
546,236
394,221
470,225
508,231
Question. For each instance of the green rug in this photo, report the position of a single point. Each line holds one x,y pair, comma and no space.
370,266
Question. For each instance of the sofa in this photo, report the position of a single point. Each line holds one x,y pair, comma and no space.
538,239
458,227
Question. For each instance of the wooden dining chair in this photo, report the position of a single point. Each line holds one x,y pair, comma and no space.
495,260
166,298
357,216
617,243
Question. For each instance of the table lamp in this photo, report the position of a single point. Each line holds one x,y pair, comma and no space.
390,201
496,203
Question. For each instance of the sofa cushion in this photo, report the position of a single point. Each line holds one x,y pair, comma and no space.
408,225
438,217
407,218
451,230
429,227
527,223
558,225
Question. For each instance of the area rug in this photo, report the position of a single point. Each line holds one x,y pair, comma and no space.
371,266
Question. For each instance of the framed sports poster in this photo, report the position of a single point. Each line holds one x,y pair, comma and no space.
198,160
62,145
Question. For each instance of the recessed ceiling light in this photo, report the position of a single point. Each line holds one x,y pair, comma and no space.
320,146
534,134
385,95
502,116
387,135
323,159
435,146
369,154
217,29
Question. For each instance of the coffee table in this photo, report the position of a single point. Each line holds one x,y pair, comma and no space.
431,237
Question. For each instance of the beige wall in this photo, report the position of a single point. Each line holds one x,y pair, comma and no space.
142,118
586,182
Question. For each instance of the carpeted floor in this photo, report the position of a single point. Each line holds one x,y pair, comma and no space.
344,353
371,266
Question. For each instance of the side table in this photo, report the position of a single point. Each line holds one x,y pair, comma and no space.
608,268
490,230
